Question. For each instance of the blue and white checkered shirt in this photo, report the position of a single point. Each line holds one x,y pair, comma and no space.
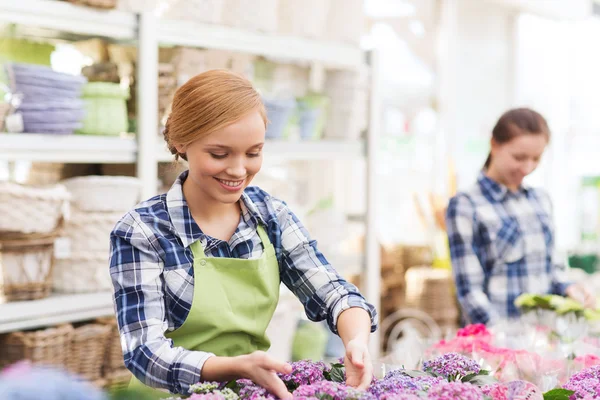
501,245
151,268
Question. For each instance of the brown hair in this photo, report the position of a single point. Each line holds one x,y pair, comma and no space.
208,102
517,122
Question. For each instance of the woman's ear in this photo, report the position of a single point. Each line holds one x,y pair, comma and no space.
180,148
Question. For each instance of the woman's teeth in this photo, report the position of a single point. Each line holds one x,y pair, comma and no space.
230,183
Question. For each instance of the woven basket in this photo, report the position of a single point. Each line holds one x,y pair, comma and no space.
104,193
105,4
48,346
26,265
28,209
113,355
431,290
82,273
86,356
89,232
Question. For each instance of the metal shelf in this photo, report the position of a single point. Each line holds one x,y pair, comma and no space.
53,310
66,17
331,54
300,150
67,148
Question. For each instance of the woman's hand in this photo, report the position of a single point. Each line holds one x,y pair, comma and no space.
262,369
582,294
359,369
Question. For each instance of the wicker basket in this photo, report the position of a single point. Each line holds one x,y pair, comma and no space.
26,266
89,232
113,355
82,273
104,193
46,346
28,209
86,356
105,4
431,290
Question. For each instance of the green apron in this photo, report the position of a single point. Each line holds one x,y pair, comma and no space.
234,301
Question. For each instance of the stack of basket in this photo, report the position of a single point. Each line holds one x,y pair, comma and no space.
114,372
98,203
31,217
431,290
80,349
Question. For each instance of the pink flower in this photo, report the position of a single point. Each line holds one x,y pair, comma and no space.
473,330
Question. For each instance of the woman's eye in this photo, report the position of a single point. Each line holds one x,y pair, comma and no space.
253,154
218,156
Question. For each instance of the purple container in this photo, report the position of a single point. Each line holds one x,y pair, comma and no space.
36,75
58,104
52,117
44,94
63,128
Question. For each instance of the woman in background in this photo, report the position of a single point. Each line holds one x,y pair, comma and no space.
500,231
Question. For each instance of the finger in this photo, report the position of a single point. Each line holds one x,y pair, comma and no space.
278,388
357,357
277,366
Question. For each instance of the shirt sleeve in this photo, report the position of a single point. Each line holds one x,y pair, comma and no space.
307,273
136,270
466,267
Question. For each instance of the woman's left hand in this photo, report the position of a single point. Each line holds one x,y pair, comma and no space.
581,294
359,368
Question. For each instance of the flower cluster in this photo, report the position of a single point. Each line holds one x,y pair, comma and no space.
455,390
304,373
452,366
473,330
585,382
327,390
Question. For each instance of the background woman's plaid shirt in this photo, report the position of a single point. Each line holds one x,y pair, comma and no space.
501,245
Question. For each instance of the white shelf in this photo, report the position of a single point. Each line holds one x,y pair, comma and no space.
303,150
66,148
66,17
56,309
331,54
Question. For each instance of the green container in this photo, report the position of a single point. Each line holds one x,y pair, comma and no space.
310,342
106,109
586,262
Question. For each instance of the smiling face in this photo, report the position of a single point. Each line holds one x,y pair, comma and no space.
223,163
514,160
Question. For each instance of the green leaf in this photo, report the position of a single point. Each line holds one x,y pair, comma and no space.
413,373
558,394
467,378
482,380
484,372
337,373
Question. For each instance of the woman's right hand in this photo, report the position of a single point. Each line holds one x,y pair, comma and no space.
262,369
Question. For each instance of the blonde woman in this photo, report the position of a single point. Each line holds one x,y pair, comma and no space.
196,271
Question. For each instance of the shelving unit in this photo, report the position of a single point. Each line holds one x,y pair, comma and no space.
148,150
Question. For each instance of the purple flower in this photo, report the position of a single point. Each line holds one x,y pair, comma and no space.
452,366
331,391
206,396
396,382
455,390
250,391
305,373
401,396
585,382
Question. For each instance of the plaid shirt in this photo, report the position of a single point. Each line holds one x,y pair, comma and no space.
151,268
501,245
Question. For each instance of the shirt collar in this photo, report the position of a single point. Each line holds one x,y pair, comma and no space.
496,191
183,222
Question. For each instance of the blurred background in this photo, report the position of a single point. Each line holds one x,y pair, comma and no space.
380,111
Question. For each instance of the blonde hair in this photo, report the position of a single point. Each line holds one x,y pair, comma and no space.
208,102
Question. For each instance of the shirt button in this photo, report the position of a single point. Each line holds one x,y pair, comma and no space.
202,262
